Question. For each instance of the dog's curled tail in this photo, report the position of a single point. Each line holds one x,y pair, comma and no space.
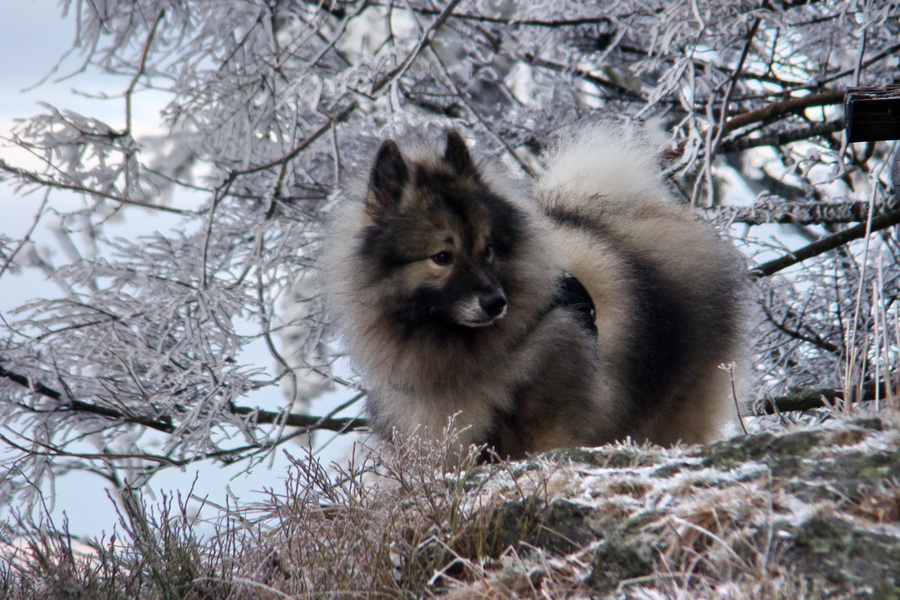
606,159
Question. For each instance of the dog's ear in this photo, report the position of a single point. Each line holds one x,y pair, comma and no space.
456,154
388,177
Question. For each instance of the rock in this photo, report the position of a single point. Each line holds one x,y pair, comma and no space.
810,513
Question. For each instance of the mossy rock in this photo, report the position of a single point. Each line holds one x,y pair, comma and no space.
618,559
558,527
847,556
818,508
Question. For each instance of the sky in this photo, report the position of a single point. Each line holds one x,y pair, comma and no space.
33,37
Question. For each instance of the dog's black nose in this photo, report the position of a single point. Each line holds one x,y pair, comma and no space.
493,303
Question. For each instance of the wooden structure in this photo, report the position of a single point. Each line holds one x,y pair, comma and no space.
872,113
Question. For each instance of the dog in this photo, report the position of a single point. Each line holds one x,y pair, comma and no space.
587,309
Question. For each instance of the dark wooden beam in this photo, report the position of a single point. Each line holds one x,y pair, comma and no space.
872,113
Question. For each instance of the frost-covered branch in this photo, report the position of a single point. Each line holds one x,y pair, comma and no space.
830,242
23,177
777,210
164,423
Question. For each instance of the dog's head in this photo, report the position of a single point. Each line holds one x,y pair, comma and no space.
440,237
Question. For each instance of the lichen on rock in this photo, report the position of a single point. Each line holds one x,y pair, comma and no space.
810,513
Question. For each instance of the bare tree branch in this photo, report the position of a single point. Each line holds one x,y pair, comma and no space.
797,213
783,107
780,138
34,178
165,423
825,244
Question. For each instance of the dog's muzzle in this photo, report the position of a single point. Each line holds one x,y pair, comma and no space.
481,310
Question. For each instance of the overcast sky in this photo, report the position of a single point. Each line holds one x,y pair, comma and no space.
33,36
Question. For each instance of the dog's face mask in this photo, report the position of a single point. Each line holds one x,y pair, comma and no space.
440,237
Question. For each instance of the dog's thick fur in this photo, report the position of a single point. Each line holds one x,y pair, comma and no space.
444,276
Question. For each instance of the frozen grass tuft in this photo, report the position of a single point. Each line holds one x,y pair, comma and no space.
761,516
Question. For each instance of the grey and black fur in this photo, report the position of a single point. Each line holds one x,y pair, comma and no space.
445,278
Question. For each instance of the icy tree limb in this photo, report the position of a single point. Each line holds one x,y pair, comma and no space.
798,213
780,138
165,423
28,177
339,425
784,107
830,242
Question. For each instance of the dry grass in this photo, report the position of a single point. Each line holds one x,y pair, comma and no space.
395,531
423,522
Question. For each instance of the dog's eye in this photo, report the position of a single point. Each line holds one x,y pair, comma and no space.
442,259
489,252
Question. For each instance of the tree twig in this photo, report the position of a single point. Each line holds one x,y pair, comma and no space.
165,422
424,40
303,145
777,109
529,21
780,138
830,242
29,177
544,63
312,423
765,113
795,212
732,84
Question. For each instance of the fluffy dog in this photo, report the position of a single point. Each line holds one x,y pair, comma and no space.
457,291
